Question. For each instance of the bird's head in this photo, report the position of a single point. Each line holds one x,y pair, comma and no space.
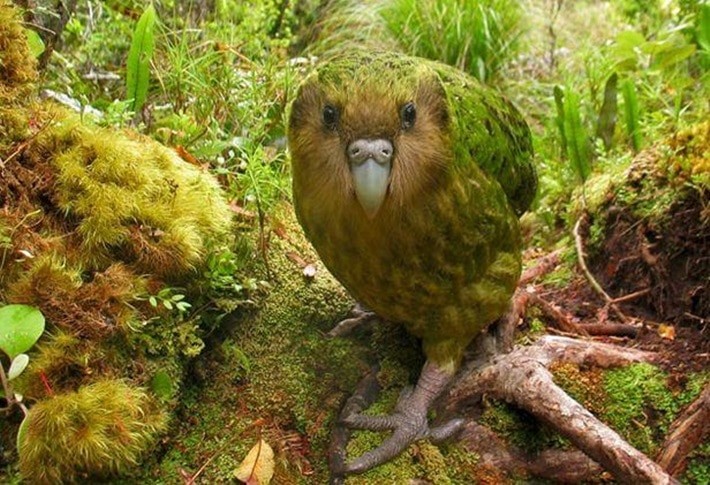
372,131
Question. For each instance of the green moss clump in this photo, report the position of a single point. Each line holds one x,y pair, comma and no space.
100,229
18,74
640,405
102,428
131,198
520,428
18,68
698,469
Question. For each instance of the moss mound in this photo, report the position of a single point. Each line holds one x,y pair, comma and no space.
277,376
104,231
101,429
650,228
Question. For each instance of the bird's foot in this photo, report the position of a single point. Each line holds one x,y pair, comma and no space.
360,316
408,422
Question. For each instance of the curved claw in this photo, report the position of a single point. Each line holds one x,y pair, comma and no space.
446,430
408,422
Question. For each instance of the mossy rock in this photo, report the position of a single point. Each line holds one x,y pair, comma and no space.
650,227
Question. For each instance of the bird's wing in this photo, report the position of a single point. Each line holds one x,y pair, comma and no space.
490,131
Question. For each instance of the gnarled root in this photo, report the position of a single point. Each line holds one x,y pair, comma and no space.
522,377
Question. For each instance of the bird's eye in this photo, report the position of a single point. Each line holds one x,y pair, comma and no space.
408,115
330,117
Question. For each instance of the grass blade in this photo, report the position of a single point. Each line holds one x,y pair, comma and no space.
139,55
631,113
577,140
606,123
560,119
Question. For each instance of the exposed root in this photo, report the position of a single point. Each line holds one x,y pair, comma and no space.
612,329
562,466
543,266
522,377
579,244
688,431
561,319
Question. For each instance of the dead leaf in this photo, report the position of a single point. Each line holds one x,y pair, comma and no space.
258,466
187,156
666,331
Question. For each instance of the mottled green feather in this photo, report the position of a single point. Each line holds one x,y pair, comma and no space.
442,255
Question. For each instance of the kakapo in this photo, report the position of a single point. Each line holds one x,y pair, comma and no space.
408,178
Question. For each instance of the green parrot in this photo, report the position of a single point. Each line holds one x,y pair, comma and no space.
408,178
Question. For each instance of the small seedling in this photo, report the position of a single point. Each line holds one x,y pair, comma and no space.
20,328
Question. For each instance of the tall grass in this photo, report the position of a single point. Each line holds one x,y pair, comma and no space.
477,37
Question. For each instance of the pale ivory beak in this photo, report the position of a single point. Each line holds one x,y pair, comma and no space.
370,165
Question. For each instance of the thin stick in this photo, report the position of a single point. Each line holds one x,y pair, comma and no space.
579,245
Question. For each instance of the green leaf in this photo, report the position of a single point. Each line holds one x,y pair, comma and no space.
167,304
577,139
22,431
669,57
703,29
631,113
18,364
606,123
20,328
35,42
139,55
560,119
162,385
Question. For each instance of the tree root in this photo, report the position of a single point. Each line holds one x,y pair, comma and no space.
522,377
688,431
579,245
558,465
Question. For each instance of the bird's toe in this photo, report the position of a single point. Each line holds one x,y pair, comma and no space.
446,430
360,316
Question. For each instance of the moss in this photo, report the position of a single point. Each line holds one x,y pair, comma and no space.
130,198
18,69
277,368
649,186
462,465
101,429
520,428
586,386
92,222
698,468
641,406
